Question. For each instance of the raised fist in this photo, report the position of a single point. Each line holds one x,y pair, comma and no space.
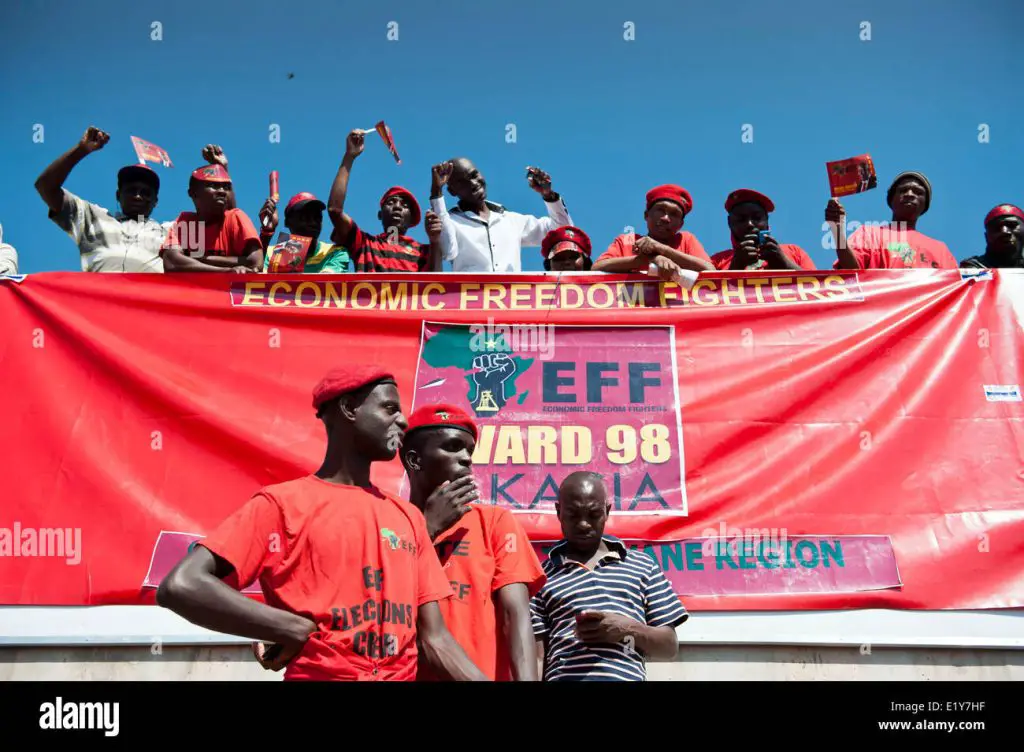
94,139
355,143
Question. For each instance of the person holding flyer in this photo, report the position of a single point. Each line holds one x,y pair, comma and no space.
898,244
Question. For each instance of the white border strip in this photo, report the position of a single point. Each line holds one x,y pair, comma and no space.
96,626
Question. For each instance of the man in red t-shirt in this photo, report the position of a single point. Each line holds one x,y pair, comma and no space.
748,217
666,244
897,245
349,577
216,237
391,250
487,556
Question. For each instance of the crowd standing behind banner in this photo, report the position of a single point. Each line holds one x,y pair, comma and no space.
477,235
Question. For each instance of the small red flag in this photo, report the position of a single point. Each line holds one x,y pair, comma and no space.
389,140
148,152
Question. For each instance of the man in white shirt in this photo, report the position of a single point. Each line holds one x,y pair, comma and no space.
482,236
8,256
125,241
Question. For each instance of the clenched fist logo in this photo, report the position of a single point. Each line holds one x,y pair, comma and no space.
491,372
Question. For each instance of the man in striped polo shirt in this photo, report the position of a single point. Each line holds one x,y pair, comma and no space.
391,250
604,610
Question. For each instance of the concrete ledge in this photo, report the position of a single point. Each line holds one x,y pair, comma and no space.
696,663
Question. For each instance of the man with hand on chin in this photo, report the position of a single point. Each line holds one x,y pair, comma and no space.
604,610
486,554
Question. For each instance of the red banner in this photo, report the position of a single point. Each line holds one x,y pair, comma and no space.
878,406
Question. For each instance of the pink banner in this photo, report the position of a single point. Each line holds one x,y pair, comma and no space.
772,565
705,566
551,400
171,548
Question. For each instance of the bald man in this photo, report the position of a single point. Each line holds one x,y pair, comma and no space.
604,610
482,236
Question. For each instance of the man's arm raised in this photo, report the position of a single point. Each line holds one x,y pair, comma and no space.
354,145
51,182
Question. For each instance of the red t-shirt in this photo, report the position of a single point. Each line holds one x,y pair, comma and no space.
358,562
228,237
483,552
892,248
723,259
684,242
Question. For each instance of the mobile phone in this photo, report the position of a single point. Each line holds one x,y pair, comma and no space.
761,235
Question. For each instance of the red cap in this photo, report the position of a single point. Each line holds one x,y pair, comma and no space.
301,199
565,239
669,192
743,195
398,190
211,174
345,379
1004,210
441,416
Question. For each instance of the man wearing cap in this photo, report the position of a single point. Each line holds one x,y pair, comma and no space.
391,250
303,216
666,244
216,237
486,554
898,244
566,249
748,217
1004,240
483,236
125,241
348,573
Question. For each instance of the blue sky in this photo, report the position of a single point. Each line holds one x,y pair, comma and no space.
608,118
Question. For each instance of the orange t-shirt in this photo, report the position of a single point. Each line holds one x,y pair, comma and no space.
892,248
684,242
796,254
483,552
356,561
228,237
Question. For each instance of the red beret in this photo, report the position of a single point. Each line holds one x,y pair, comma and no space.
743,195
214,173
398,190
675,193
345,379
565,239
441,416
1003,210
